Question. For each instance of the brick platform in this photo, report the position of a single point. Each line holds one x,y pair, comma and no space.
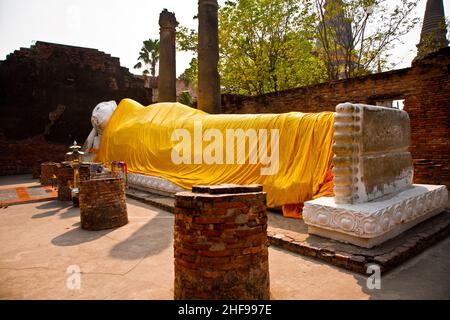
220,243
102,203
48,169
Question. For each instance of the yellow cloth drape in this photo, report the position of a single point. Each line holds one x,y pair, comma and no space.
141,136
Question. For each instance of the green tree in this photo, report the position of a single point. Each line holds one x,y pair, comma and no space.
355,36
186,98
148,57
263,47
190,75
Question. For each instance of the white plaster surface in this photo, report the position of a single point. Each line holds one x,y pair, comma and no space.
370,223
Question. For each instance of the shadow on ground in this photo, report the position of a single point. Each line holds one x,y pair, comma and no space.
152,238
78,236
404,282
58,207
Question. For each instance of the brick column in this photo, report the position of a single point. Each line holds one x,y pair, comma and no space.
220,243
102,203
65,179
208,57
84,171
167,91
48,169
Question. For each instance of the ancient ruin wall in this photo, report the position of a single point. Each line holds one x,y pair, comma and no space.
51,89
426,90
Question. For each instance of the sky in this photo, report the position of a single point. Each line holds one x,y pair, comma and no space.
118,27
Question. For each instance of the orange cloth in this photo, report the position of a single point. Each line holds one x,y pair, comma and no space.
295,210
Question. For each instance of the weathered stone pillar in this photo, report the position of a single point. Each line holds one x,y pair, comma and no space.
220,243
167,91
65,180
102,203
48,169
208,57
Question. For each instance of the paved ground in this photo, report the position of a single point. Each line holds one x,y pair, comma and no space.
41,242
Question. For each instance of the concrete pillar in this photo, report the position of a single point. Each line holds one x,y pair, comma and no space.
167,77
208,57
220,243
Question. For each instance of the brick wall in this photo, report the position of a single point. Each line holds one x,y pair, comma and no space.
51,90
220,243
26,156
426,90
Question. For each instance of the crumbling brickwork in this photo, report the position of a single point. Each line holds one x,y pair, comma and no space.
102,203
48,170
65,181
26,156
425,87
51,89
220,243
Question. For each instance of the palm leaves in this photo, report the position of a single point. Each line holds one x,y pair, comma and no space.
148,57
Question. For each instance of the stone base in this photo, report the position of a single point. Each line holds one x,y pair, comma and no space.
372,223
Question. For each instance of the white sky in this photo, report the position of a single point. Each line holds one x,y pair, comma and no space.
117,27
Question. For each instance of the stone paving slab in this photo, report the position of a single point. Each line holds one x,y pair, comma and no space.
292,235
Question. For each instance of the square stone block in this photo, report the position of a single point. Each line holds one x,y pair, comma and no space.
371,223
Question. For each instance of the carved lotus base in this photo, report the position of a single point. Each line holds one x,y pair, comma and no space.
372,223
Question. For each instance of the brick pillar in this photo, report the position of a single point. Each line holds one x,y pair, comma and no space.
220,243
84,171
102,203
65,180
37,170
167,91
48,169
208,57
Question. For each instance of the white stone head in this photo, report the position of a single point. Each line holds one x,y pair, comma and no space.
101,115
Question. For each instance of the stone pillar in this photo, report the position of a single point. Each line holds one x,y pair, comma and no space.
48,169
167,91
65,180
102,203
84,171
208,57
220,243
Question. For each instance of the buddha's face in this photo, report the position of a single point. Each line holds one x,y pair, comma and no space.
101,115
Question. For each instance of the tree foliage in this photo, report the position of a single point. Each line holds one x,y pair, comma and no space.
355,36
263,47
272,45
148,57
190,75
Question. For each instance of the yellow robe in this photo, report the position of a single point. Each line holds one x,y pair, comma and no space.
143,137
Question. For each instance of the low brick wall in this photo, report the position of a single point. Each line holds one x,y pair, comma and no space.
65,180
220,243
102,203
48,170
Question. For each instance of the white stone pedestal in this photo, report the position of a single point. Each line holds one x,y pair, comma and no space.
371,223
